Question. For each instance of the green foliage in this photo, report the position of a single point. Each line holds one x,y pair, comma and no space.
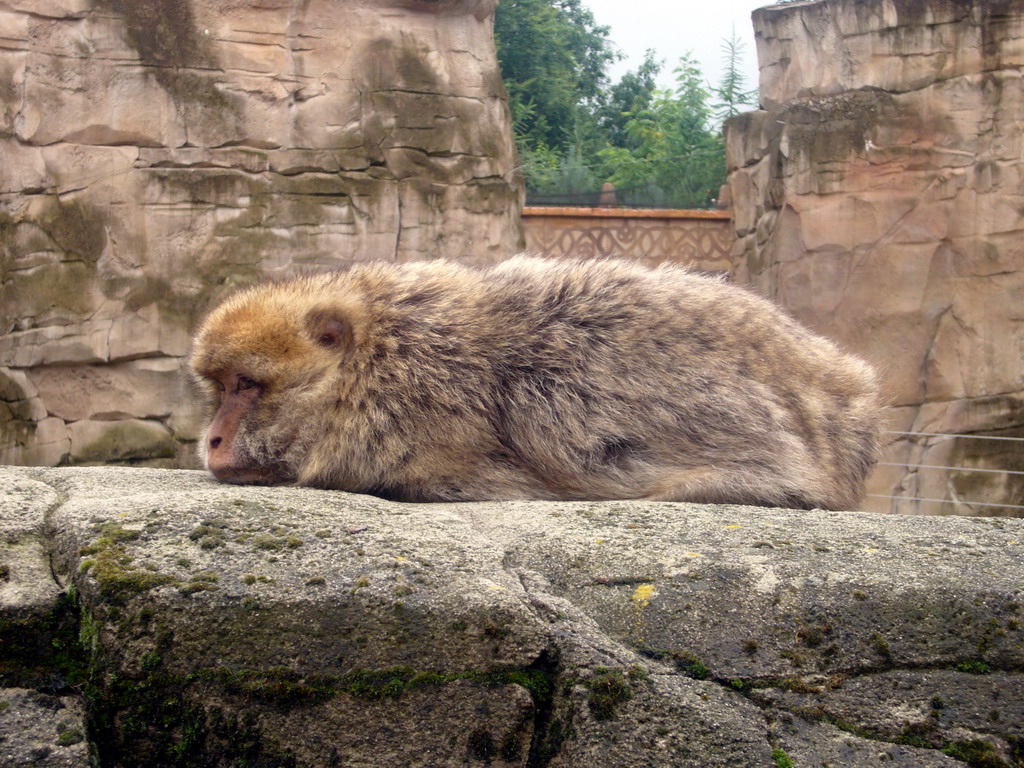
553,57
782,760
576,131
549,173
631,95
676,157
731,92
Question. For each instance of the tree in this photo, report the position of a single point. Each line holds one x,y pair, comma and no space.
553,57
575,130
632,94
731,91
676,157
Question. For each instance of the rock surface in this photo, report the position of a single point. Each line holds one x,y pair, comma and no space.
214,625
42,730
156,154
877,196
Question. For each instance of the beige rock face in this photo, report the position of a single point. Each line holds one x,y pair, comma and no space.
877,195
156,154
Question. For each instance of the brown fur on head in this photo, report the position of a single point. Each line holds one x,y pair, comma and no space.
280,346
534,379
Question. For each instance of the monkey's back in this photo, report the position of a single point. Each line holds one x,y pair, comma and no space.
574,379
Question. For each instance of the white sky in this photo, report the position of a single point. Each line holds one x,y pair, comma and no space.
674,27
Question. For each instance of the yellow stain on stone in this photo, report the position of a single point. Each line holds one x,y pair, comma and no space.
643,594
400,559
692,554
732,527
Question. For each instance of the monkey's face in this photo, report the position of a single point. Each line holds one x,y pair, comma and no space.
265,369
230,448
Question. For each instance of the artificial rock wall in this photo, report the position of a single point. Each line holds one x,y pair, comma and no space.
878,196
155,154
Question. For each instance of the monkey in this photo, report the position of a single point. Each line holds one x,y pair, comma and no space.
537,378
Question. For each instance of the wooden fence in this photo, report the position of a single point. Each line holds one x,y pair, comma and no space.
699,239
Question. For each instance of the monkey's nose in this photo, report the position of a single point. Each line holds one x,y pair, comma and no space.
219,459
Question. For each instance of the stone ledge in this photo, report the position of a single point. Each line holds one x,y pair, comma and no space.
208,624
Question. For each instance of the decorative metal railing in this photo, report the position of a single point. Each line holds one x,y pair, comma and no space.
699,239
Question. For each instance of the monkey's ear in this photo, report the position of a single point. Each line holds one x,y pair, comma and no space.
330,331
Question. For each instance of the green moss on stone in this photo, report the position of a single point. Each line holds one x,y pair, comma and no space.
288,687
270,543
813,635
118,579
278,685
193,587
109,535
636,672
881,646
209,536
782,760
608,689
796,685
793,657
922,735
69,737
686,662
43,651
977,753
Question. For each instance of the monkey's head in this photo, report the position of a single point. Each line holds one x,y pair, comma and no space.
268,358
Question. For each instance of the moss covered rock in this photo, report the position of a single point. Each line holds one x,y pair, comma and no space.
203,624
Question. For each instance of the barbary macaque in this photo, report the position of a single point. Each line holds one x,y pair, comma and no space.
534,379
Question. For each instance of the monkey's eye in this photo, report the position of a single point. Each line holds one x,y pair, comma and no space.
245,383
220,386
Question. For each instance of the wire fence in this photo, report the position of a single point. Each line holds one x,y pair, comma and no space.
956,435
910,466
642,196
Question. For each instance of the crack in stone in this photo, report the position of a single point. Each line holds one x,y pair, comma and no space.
47,529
